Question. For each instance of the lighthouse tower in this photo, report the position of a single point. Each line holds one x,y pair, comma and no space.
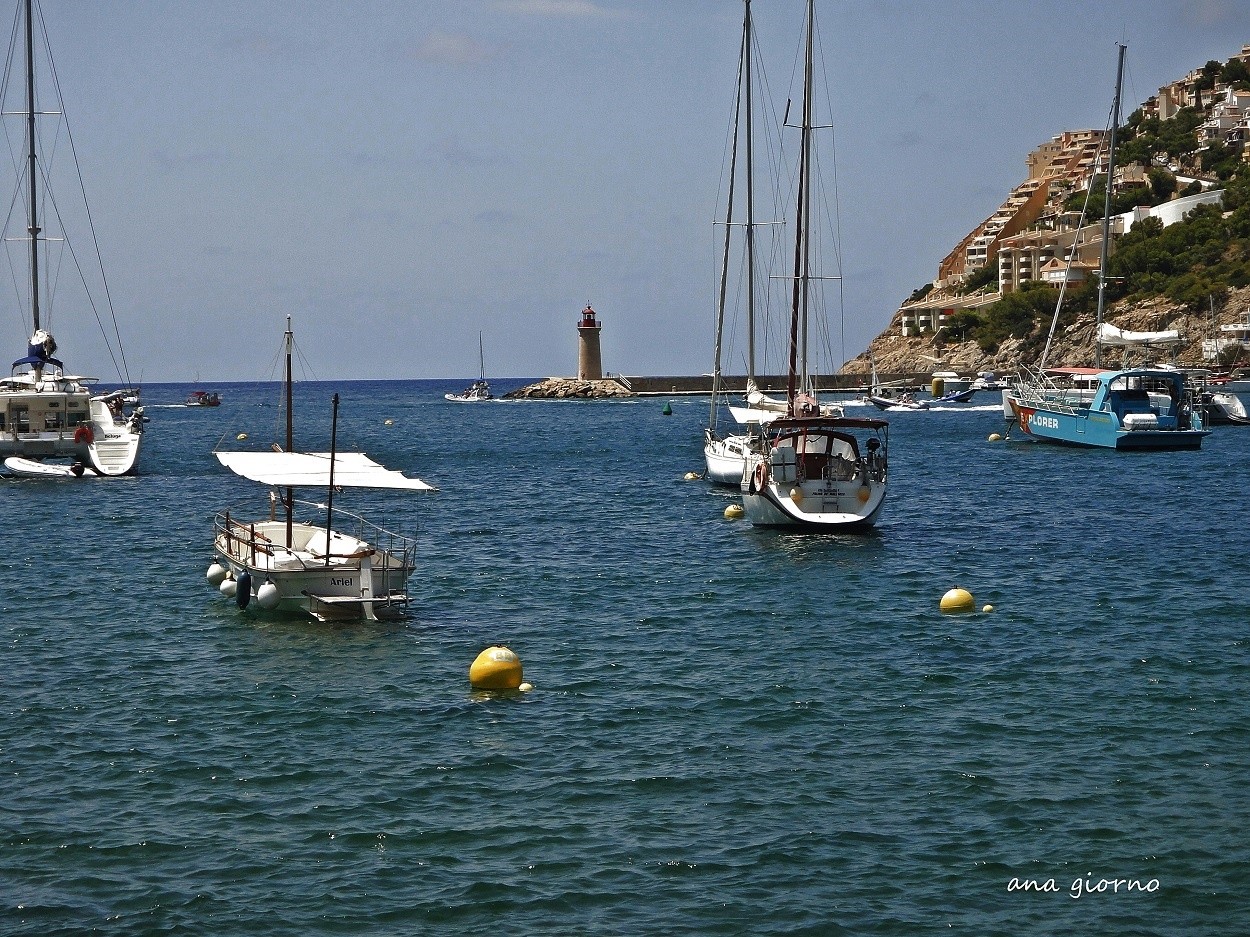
589,361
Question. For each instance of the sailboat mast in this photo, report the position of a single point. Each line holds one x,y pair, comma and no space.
289,501
32,167
481,358
798,303
750,239
729,216
808,123
1106,214
334,439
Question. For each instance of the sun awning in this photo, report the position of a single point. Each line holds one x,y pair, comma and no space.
312,469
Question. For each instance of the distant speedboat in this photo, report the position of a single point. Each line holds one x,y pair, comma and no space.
480,389
905,402
204,398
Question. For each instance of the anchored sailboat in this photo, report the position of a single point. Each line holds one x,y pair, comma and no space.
282,564
51,424
813,469
479,389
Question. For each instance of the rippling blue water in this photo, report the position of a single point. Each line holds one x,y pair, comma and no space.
733,731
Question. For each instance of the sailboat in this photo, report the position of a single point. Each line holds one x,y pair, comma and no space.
810,470
51,423
479,389
1144,407
725,457
339,568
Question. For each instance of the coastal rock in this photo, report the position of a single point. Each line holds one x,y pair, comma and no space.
569,388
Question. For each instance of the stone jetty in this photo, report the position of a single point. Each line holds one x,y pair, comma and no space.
569,388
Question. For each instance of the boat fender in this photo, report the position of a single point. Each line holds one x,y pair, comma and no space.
216,573
267,595
84,435
244,593
759,478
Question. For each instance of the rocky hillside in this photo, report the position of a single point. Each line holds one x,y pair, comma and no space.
1073,343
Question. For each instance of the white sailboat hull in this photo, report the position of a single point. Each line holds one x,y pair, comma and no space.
725,459
359,580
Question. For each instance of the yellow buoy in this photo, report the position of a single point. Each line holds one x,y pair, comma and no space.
496,668
733,511
241,436
863,494
987,609
994,437
958,600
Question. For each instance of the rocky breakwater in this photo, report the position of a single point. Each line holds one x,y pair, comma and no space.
569,388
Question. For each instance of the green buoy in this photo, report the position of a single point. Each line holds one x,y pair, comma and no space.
668,409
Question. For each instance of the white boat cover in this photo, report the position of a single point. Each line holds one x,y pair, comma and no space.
312,469
751,415
1109,334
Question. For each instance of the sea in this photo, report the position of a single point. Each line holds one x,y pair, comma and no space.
731,730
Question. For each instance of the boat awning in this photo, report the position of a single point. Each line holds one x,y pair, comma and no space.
312,470
1109,334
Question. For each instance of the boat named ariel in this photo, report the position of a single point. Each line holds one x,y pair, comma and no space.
341,567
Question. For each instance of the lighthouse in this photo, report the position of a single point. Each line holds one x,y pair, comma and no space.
589,361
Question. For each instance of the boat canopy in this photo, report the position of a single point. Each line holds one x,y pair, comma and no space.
312,469
1111,335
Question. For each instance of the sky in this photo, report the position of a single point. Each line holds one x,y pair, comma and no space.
400,175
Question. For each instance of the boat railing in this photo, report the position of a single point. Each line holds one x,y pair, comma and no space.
394,554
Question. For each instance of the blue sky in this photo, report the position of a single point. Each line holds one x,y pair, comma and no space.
400,175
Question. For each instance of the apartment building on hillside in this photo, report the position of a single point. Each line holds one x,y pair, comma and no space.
1056,168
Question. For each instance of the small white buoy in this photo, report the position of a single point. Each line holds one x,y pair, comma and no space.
734,511
994,437
525,687
267,595
217,573
241,436
957,600
388,422
691,476
987,609
228,587
496,668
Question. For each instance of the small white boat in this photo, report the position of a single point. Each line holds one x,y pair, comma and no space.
283,564
31,468
480,389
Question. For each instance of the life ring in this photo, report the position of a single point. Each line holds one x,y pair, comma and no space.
84,434
759,478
